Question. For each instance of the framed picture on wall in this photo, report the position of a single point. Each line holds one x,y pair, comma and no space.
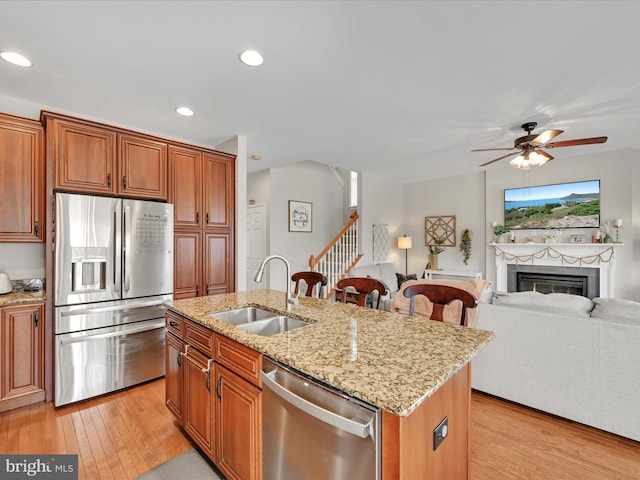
299,216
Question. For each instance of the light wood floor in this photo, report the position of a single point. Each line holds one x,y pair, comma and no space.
122,435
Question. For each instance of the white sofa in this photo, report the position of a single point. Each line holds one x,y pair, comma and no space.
555,354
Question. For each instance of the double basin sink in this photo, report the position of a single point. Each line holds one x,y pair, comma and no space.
259,321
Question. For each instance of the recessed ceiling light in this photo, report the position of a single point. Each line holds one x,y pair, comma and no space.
186,111
251,58
16,59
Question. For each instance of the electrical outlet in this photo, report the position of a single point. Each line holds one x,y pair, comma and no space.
440,433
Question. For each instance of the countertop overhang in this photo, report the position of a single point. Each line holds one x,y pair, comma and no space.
389,360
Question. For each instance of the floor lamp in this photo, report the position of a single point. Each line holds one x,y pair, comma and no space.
404,243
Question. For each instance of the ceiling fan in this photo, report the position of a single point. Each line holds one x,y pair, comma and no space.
529,147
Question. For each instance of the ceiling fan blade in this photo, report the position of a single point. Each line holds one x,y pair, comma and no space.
544,137
492,149
499,158
579,141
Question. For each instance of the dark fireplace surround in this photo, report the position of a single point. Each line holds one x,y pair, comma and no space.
583,281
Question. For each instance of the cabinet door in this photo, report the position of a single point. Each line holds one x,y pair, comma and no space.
22,364
142,167
219,191
218,263
21,180
186,264
198,407
84,157
186,192
238,424
173,374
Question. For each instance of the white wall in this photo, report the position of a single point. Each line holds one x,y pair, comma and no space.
308,182
462,196
381,203
238,146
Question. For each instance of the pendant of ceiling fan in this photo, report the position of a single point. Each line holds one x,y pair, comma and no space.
529,147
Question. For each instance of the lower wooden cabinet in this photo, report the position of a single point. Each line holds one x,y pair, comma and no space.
218,408
22,334
238,427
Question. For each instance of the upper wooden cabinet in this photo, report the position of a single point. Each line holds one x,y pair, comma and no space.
203,188
21,180
84,156
219,191
142,167
94,158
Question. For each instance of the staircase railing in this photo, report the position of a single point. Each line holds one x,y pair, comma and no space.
339,256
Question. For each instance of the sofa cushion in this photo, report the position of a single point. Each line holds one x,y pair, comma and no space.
626,311
559,303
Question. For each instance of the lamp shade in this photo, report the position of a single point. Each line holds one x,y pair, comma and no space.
404,243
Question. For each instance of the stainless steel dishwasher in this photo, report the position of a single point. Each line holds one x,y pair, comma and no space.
311,431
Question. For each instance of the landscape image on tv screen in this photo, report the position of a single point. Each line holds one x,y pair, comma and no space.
565,205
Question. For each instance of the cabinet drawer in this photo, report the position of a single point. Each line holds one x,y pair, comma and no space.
200,337
242,360
174,324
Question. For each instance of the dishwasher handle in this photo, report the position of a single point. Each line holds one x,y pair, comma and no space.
362,430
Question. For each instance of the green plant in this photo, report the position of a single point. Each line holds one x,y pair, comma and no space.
499,230
465,244
435,250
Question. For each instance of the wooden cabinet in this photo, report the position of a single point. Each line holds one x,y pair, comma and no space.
174,348
202,191
213,389
22,336
83,155
21,180
93,158
142,167
238,425
198,413
218,191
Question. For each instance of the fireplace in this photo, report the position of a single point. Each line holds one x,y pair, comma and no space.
552,279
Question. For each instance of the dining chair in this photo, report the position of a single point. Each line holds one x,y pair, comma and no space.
441,296
356,289
311,279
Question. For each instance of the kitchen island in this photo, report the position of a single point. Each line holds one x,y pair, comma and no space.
416,371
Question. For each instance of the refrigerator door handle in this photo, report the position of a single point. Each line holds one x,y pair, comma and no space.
68,339
126,262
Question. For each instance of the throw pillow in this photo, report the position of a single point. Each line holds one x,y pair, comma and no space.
403,278
625,311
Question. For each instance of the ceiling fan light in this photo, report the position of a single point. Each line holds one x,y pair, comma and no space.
520,162
536,159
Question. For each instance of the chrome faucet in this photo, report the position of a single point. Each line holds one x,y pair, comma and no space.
258,278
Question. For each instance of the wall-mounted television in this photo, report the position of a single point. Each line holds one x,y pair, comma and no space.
559,206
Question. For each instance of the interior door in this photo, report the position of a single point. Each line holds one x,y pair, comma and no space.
256,244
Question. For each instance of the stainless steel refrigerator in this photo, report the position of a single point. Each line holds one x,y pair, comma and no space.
113,270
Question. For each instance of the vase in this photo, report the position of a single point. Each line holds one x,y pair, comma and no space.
607,239
433,261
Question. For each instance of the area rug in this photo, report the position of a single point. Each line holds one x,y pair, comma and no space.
189,465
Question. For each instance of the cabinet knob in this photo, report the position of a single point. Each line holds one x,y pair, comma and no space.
109,180
36,228
36,318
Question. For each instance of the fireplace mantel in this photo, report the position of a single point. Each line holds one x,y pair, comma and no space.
595,255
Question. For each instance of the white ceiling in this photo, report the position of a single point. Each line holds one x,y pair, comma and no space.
405,89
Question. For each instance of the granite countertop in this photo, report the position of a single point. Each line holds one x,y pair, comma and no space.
389,360
14,298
